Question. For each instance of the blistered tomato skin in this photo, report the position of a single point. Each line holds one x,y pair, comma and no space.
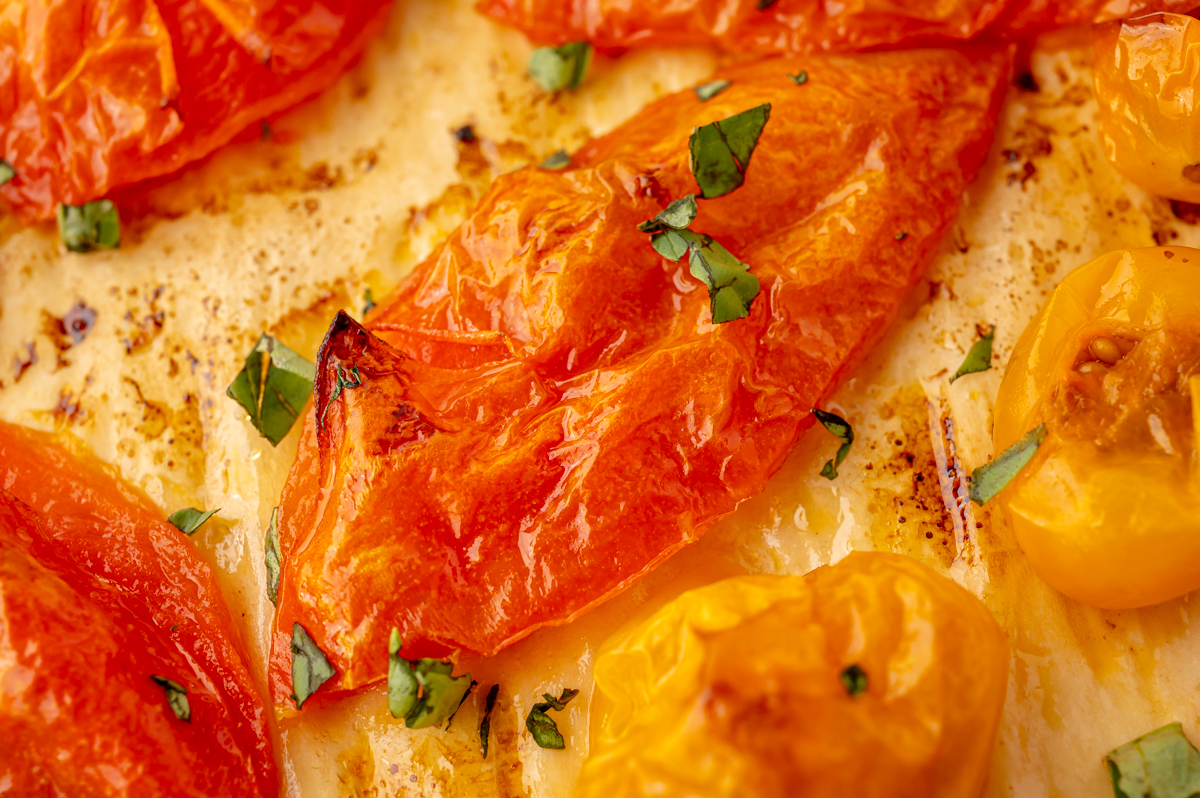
1108,510
99,94
544,411
1147,79
798,26
736,689
97,594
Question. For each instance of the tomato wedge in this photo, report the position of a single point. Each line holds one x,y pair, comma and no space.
544,410
97,595
98,94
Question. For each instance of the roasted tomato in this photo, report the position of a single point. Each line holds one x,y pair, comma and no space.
98,94
1108,509
105,610
873,677
1147,85
544,410
797,26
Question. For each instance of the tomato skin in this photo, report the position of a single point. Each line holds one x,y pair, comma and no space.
1147,74
95,95
92,580
735,689
579,418
797,26
1110,521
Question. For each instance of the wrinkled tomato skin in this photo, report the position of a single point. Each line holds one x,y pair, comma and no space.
98,592
1104,512
735,689
1147,78
798,26
546,411
100,94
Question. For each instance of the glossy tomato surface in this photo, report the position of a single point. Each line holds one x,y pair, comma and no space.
1108,510
98,94
97,594
799,26
875,677
544,410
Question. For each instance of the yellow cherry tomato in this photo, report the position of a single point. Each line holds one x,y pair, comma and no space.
873,677
1147,82
1108,509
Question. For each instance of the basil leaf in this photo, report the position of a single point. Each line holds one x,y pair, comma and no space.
980,356
800,78
310,668
402,686
176,697
485,725
1161,764
557,162
706,91
671,245
368,301
6,172
273,557
721,151
422,691
903,234
731,287
88,227
564,67
189,519
272,387
839,428
470,688
676,216
541,726
342,382
854,679
990,479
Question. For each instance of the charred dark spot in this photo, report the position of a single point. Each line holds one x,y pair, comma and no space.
466,135
79,322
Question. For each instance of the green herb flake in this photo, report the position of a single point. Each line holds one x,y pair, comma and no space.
342,382
89,227
706,91
721,151
800,78
310,667
272,556
676,216
189,519
1161,764
463,700
990,479
557,162
731,287
368,301
903,234
176,697
980,356
422,691
485,725
765,4
264,130
556,68
542,727
272,387
854,679
6,172
839,428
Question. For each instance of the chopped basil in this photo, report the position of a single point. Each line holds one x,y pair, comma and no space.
176,697
731,287
272,387
676,216
706,91
368,301
670,245
839,428
980,356
1161,764
557,162
903,234
189,519
310,668
541,726
341,383
272,557
461,701
88,227
485,725
564,67
721,151
800,78
422,691
6,172
854,679
990,479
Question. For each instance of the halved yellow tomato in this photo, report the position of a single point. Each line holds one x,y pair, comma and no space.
1108,509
